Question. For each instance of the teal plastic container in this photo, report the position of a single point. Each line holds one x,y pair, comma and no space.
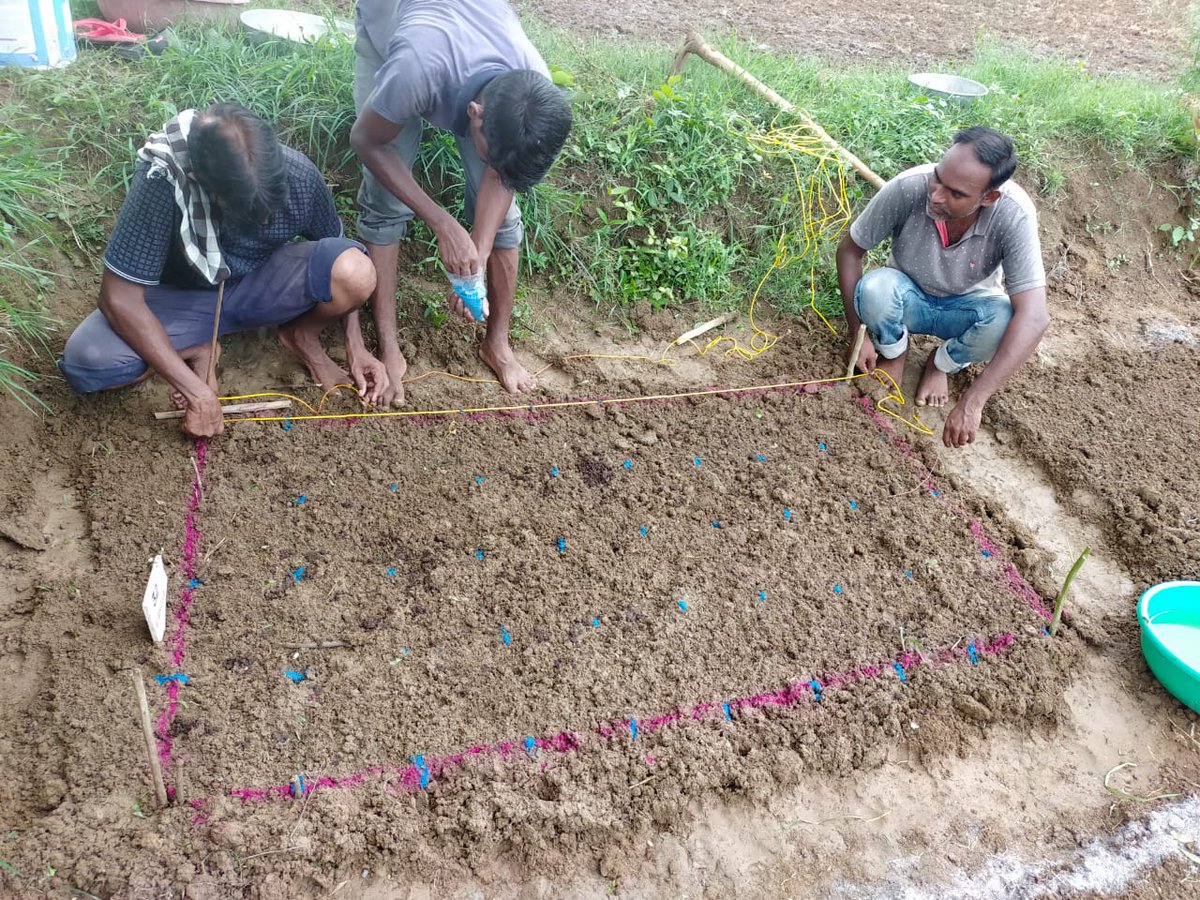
1169,614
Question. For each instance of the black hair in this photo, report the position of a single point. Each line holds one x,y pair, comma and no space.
526,120
992,149
237,158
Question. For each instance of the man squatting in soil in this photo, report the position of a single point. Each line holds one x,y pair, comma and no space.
217,197
466,66
954,226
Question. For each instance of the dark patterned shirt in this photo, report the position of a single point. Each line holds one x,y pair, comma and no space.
145,246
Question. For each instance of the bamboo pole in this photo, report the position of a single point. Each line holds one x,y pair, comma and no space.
698,46
160,790
230,408
705,327
858,343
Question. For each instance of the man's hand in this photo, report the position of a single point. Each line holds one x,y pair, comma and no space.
202,417
868,356
370,377
962,424
459,255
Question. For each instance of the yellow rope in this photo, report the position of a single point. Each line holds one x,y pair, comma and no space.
894,395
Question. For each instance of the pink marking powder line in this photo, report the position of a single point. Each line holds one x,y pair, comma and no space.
437,768
178,640
1011,578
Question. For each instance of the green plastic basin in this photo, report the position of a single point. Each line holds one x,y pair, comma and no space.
1169,614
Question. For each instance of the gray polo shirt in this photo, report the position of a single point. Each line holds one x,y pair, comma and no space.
439,54
1003,238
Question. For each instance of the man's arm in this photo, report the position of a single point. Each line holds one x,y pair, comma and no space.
1024,332
850,258
370,137
124,305
491,206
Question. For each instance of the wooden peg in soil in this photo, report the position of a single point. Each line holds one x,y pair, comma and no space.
160,790
858,343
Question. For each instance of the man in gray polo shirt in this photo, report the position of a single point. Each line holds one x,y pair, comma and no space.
466,66
955,227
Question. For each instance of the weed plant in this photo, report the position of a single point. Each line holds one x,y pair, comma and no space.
657,198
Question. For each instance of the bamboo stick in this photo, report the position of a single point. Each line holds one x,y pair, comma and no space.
698,46
230,408
160,790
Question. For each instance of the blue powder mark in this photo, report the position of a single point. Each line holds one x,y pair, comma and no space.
164,679
935,492
787,514
682,605
985,553
1045,631
821,446
479,554
298,786
419,762
760,457
195,583
595,622
628,464
295,676
643,531
286,424
728,714
393,487
899,671
301,500
762,596
696,461
837,588
972,654
530,745
816,688
633,728
298,573
479,479
554,471
716,524
391,571
854,504
562,545
505,636
908,575
404,651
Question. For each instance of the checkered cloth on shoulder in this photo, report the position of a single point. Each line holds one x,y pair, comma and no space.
167,153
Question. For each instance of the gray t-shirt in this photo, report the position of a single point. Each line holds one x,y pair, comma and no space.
1004,237
440,54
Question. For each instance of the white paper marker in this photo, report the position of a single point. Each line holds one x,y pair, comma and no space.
154,602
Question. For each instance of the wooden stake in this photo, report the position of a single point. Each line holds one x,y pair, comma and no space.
707,326
160,790
858,342
212,347
228,408
697,45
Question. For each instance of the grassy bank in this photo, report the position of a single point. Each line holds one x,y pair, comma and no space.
684,198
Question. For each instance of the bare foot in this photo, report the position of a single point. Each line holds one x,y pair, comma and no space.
893,367
513,376
934,389
396,366
307,347
197,359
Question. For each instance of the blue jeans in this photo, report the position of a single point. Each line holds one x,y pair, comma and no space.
971,326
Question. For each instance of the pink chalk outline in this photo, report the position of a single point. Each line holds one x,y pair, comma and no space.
621,730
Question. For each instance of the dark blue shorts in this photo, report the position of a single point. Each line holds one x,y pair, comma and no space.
295,279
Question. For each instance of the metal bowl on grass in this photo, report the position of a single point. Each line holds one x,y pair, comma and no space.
285,24
952,87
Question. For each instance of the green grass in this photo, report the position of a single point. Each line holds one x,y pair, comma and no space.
658,202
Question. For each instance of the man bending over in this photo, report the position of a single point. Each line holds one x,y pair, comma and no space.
216,198
955,226
466,66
